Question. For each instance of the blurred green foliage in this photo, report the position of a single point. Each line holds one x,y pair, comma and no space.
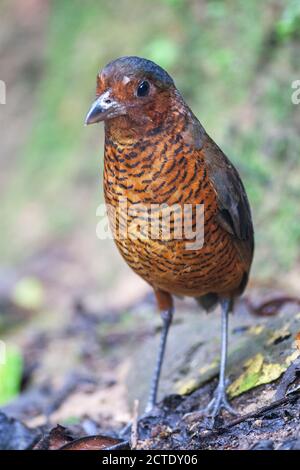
10,374
234,62
289,23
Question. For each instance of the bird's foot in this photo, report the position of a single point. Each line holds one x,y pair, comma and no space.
218,403
150,407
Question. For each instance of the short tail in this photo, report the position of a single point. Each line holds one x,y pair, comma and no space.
208,301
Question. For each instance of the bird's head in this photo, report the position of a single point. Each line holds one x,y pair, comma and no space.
132,93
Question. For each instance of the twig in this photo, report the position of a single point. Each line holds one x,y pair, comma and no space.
134,428
283,401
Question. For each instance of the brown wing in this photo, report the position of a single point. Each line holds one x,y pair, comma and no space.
234,210
234,213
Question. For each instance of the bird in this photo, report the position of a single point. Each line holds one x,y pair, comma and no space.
158,162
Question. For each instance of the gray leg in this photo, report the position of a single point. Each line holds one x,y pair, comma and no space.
220,401
166,317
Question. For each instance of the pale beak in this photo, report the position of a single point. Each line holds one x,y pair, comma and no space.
104,107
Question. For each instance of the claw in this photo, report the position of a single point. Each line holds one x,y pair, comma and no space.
217,404
213,409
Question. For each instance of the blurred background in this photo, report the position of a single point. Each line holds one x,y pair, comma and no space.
233,61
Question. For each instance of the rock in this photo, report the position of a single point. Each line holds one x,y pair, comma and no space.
260,350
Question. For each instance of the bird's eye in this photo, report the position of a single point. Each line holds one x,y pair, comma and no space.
143,89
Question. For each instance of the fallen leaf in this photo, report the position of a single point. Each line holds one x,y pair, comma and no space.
55,439
91,443
269,373
257,373
248,379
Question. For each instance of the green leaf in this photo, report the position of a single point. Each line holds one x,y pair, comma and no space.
11,366
257,373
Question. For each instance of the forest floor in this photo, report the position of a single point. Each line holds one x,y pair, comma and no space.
88,376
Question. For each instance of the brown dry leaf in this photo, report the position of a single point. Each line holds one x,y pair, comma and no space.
91,443
55,439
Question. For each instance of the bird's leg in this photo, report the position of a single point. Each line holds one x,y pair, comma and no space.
167,320
165,304
220,400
